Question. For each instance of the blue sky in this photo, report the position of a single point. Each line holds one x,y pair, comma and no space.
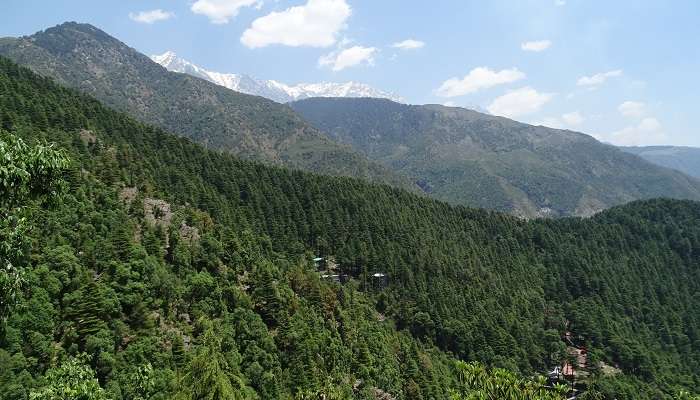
623,71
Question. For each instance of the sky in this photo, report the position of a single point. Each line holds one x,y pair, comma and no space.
626,72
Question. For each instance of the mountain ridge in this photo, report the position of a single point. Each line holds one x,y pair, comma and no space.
271,89
88,59
453,154
466,157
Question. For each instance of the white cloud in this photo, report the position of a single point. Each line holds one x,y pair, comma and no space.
647,132
573,118
632,109
598,79
149,17
560,2
221,11
537,45
315,24
356,55
409,44
477,79
519,102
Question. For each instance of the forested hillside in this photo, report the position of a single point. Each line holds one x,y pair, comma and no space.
189,308
469,158
177,270
88,59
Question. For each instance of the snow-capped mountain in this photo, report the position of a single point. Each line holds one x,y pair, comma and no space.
273,90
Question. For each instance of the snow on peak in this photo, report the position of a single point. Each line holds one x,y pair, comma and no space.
166,58
271,89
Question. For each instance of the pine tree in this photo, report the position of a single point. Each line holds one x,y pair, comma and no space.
210,377
87,313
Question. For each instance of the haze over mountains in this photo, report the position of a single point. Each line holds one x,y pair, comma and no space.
452,154
277,91
684,159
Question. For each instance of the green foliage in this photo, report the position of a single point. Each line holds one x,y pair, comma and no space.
479,383
211,375
470,284
684,395
27,174
72,380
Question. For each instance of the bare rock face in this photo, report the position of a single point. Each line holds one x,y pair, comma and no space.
379,394
127,195
157,212
188,233
88,136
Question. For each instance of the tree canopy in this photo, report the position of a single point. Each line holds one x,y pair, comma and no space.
170,266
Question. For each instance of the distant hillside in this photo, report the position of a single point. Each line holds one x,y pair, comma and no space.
86,58
270,89
466,157
684,159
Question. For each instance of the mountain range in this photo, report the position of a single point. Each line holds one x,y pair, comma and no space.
274,90
466,157
684,159
453,154
84,57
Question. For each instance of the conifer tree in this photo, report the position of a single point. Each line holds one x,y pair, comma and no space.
210,377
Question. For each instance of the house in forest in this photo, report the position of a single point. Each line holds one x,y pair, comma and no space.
574,366
380,280
337,278
328,270
555,375
320,263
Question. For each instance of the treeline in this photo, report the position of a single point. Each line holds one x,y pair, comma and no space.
479,285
